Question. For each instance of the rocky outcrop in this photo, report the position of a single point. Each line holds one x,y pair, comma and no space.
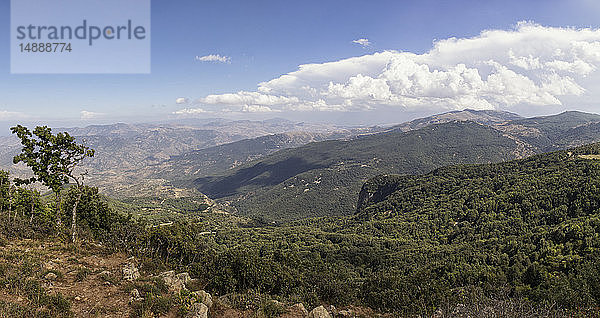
297,310
130,271
198,310
319,312
204,298
175,282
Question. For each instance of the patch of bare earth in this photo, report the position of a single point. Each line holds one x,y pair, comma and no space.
83,277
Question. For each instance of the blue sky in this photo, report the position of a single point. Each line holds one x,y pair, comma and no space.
264,40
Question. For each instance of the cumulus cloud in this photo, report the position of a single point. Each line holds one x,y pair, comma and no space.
362,42
191,111
257,109
181,100
86,115
214,58
6,115
498,69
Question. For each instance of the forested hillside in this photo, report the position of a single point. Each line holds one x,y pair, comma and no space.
515,238
322,178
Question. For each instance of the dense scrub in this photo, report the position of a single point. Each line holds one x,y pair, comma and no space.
522,233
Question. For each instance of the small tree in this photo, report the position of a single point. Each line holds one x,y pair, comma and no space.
53,159
4,189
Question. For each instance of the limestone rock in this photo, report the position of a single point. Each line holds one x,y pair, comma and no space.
319,312
204,298
175,282
298,309
198,310
51,276
130,272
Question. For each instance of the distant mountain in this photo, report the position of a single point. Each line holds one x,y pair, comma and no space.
135,159
555,132
485,117
220,158
321,178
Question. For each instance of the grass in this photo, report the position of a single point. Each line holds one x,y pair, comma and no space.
82,273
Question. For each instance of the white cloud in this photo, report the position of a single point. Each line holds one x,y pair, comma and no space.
191,111
181,100
529,65
86,115
7,115
244,98
257,109
362,42
214,58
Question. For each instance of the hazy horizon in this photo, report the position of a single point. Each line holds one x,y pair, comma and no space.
356,65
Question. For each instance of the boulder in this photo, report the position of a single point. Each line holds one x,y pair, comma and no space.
345,313
175,282
204,298
51,276
135,296
298,309
130,272
197,310
319,312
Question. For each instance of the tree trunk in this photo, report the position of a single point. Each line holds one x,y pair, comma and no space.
32,207
74,216
59,206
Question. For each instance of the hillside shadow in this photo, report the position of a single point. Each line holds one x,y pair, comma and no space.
259,175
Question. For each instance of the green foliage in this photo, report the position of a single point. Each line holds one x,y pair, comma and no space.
82,273
51,157
323,178
93,212
155,297
270,309
528,229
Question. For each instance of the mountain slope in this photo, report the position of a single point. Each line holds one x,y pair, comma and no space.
555,132
133,159
531,225
320,178
485,117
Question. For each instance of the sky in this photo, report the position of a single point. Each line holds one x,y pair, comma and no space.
347,62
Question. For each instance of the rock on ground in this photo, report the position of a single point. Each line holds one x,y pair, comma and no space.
319,312
130,272
175,282
198,310
204,298
297,310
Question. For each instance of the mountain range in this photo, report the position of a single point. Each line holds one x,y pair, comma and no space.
278,170
323,178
